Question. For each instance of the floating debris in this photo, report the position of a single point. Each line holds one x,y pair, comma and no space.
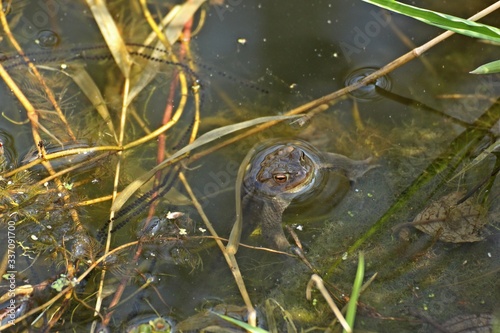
451,222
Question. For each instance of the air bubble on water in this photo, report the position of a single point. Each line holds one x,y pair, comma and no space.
47,39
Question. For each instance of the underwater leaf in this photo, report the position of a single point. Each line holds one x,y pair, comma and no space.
111,35
491,67
274,311
202,140
174,23
184,14
444,21
90,89
452,222
470,323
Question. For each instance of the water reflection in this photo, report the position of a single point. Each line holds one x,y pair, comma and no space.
368,92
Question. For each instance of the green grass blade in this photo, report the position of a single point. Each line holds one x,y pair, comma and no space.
242,324
358,282
444,21
491,67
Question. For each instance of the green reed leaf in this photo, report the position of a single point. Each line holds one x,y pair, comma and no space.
491,67
444,21
356,291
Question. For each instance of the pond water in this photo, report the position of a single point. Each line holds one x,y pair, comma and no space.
425,126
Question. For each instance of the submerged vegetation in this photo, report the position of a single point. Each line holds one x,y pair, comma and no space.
125,211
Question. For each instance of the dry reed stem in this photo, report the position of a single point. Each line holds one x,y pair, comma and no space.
122,58
71,168
61,154
30,110
116,183
156,29
230,258
169,121
318,281
344,308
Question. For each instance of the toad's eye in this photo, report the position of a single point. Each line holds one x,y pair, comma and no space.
280,178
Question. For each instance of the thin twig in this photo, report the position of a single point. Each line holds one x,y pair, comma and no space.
230,258
318,281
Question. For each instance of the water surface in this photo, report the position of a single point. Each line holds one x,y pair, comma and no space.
275,56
